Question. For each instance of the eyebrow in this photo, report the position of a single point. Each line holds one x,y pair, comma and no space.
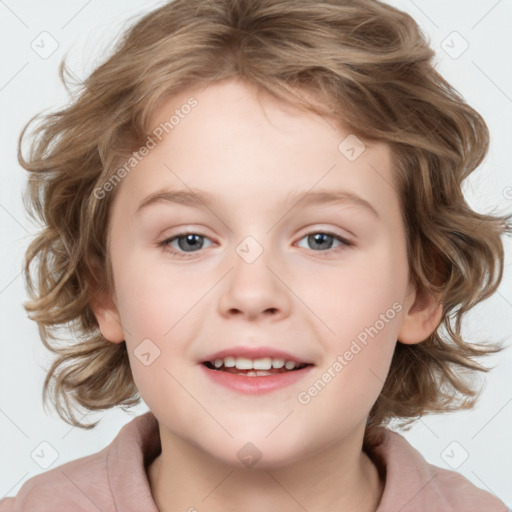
202,199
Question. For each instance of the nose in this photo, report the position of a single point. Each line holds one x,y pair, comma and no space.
254,288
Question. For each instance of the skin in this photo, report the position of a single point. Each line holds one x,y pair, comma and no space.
250,151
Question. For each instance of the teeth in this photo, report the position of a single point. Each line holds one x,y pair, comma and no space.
263,364
229,362
257,373
243,364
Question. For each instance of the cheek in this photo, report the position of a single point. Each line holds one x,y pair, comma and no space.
363,310
152,297
354,296
153,312
156,306
356,364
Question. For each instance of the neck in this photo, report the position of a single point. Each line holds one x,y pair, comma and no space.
339,478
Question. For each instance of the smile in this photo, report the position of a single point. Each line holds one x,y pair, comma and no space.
254,376
254,367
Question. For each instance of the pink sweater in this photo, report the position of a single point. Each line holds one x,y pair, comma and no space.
115,479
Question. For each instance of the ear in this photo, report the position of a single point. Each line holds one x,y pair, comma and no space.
108,318
423,313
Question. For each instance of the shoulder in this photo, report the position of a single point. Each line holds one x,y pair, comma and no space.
413,484
107,480
79,485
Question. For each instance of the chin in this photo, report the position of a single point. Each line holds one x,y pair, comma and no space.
242,452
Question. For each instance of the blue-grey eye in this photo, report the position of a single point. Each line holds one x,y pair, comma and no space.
323,241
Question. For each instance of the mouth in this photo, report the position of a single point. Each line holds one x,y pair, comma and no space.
254,370
260,367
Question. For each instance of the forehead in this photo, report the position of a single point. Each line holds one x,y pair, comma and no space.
241,146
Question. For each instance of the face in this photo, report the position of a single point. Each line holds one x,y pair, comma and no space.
247,270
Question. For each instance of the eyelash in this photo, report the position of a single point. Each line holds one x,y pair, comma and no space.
166,243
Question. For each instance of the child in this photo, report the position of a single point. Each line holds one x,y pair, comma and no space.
271,366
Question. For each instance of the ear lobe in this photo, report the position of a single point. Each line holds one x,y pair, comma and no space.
423,314
108,319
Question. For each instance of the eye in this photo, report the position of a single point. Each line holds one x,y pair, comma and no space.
187,242
322,240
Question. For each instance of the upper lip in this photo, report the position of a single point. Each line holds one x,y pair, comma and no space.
255,353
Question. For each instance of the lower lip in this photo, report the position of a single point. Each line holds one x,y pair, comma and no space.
255,385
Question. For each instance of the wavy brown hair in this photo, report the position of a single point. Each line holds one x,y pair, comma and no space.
366,64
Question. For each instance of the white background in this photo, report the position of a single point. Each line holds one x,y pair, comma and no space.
83,30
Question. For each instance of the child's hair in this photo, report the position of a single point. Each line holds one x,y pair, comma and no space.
367,65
